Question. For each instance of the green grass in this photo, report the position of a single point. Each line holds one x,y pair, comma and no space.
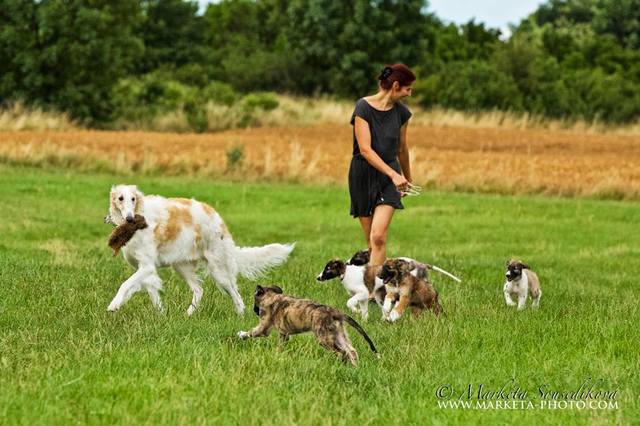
64,359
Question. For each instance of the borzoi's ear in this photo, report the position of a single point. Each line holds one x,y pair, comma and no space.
114,212
139,200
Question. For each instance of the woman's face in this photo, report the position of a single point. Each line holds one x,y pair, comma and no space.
401,91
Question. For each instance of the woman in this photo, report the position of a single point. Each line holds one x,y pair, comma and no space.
380,169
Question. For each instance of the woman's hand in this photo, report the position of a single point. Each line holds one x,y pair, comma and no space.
400,182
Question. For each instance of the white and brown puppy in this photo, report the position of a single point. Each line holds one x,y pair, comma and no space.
521,281
360,281
290,315
183,233
407,290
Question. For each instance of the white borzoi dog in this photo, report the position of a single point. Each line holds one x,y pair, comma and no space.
181,233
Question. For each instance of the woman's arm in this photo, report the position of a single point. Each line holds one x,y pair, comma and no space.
403,153
363,137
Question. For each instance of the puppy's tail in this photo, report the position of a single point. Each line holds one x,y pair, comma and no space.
360,330
254,261
442,271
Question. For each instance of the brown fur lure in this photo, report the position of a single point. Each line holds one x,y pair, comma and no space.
123,233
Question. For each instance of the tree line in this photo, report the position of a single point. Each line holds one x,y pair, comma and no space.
104,59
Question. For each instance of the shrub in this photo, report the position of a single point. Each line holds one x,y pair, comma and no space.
219,93
235,157
261,100
196,116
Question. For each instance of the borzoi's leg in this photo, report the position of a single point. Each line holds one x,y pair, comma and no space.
132,285
223,270
153,284
188,272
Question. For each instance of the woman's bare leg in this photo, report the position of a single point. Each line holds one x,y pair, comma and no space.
382,216
365,222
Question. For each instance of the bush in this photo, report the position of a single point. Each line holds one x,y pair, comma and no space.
150,95
219,93
235,157
264,101
196,116
472,86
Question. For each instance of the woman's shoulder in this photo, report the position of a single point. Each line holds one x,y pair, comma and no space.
402,107
362,107
362,102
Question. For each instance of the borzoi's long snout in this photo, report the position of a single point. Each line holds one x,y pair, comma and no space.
128,211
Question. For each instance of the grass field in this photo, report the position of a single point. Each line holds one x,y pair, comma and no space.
64,359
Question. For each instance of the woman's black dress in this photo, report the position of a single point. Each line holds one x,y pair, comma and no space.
367,186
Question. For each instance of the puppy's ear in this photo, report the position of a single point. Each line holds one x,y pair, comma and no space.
276,289
524,266
507,263
259,290
404,266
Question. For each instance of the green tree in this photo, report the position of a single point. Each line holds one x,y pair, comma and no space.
173,34
68,54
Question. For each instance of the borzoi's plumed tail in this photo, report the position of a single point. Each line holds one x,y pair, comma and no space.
254,261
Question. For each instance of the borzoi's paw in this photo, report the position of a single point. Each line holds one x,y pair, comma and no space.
240,309
113,306
191,310
243,335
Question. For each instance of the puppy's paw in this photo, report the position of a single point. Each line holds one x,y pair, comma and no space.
353,306
394,315
244,335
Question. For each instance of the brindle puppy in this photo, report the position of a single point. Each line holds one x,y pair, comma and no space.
123,233
289,315
414,292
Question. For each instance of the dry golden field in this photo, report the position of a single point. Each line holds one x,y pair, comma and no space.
500,160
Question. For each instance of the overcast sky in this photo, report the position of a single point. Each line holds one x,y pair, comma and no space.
494,13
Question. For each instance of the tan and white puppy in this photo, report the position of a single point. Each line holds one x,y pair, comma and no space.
521,281
183,233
